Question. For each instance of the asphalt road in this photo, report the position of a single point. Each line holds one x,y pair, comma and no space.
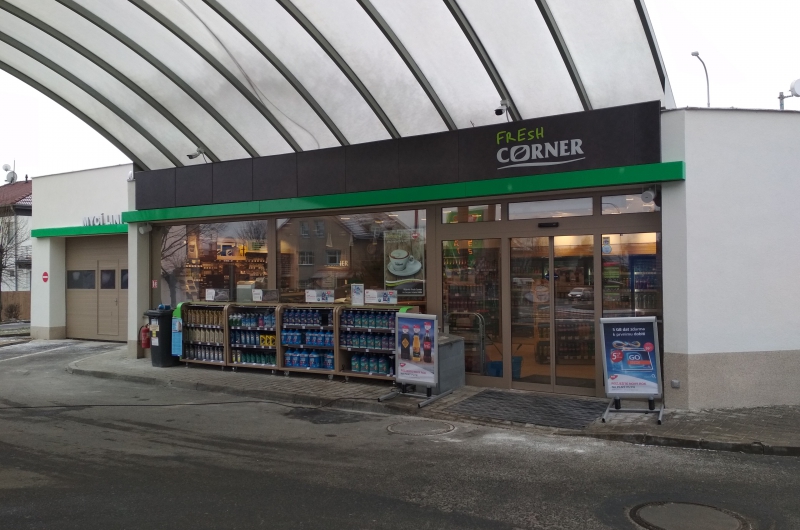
79,452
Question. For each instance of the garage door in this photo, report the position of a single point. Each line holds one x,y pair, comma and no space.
97,287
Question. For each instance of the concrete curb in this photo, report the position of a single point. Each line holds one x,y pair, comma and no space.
373,406
14,342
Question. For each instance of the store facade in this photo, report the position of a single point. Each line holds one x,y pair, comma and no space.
522,262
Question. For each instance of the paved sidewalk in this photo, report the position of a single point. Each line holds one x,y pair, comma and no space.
770,430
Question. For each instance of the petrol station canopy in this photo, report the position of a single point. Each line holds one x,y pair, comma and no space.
246,78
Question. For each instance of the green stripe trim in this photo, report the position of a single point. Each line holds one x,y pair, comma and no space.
80,231
647,173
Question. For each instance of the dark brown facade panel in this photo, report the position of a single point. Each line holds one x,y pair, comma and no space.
275,177
647,132
233,181
155,189
193,185
372,166
321,172
427,160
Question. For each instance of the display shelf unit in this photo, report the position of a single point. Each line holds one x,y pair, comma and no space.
204,333
307,338
367,333
252,335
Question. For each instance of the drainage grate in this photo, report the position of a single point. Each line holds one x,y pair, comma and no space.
551,411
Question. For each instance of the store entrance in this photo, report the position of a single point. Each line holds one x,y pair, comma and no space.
553,314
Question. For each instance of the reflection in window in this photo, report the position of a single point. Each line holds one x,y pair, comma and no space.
547,209
481,213
383,250
631,275
619,204
108,279
230,258
304,229
333,257
81,279
123,279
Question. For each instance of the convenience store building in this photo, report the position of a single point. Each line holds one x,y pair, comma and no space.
535,258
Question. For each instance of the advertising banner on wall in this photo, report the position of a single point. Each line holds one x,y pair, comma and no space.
631,362
403,267
417,349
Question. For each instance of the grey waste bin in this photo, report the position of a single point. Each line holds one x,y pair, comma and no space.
160,321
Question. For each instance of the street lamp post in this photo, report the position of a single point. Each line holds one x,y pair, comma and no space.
708,89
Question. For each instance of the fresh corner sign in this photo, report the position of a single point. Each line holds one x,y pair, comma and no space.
518,152
612,137
102,219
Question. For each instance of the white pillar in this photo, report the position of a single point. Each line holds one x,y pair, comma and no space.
49,299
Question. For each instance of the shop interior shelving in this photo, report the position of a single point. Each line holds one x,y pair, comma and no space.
204,333
307,339
252,336
367,333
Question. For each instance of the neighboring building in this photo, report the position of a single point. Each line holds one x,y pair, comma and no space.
18,198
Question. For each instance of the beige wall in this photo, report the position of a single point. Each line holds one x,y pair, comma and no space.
732,380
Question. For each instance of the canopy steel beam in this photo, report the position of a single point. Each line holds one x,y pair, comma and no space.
273,59
483,55
106,67
416,71
161,67
74,110
348,72
78,82
219,67
550,20
651,41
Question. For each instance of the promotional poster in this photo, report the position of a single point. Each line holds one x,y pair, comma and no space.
403,255
416,349
631,357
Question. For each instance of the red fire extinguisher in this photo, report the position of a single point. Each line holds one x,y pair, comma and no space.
144,336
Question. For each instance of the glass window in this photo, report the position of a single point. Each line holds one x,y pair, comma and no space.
547,209
471,214
471,283
631,275
618,204
81,279
382,250
304,229
123,279
108,279
230,258
319,228
333,257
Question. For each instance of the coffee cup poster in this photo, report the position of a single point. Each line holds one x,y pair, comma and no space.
416,349
404,267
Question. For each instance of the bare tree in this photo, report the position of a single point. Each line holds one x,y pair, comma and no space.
13,232
252,230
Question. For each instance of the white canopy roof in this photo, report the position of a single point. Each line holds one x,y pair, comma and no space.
246,78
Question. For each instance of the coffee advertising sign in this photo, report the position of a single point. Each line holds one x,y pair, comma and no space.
404,267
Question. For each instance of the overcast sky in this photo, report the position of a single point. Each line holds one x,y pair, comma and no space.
750,49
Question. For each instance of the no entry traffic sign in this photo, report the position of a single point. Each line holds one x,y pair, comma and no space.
45,277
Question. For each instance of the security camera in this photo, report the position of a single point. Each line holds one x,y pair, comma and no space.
145,228
197,153
130,176
648,196
502,108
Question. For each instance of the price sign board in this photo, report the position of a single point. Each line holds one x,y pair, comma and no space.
631,357
319,296
373,296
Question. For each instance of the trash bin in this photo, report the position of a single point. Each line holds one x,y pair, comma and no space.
160,321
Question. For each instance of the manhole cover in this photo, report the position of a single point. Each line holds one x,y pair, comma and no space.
686,516
420,428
